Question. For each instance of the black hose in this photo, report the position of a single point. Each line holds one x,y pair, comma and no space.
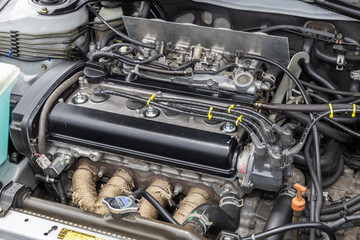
307,30
225,216
162,211
315,180
120,34
322,55
61,190
340,206
322,115
281,213
327,90
293,226
334,177
301,107
346,220
308,69
323,128
329,159
335,216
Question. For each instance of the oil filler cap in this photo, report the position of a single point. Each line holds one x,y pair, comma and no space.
121,205
96,72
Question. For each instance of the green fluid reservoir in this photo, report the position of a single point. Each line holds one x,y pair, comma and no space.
9,74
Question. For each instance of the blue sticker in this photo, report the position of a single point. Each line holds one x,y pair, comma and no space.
125,201
10,52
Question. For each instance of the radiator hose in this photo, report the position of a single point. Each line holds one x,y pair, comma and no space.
281,214
225,216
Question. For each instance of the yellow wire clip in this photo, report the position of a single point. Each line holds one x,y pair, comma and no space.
331,111
209,114
354,111
151,99
232,106
239,119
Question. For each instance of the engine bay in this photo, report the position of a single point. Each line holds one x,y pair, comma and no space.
182,120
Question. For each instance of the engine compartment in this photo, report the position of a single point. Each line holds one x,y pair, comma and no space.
182,119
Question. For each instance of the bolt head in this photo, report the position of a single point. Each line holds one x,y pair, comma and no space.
44,10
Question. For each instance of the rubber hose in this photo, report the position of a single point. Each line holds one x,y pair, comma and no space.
307,30
342,213
105,40
218,217
340,206
333,178
322,55
280,214
337,224
46,109
328,159
326,90
309,71
323,128
62,194
162,211
302,107
293,226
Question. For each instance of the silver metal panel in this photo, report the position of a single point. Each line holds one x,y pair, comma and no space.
274,47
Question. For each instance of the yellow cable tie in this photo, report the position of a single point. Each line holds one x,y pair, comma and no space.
239,119
151,99
354,111
209,114
232,106
331,111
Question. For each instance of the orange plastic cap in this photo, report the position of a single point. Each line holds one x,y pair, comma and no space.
298,202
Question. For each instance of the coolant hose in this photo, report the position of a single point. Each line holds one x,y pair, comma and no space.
47,107
316,77
225,216
281,213
322,55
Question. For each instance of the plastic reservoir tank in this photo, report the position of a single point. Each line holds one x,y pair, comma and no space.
9,74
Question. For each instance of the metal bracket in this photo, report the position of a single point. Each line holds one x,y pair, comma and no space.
340,62
286,86
226,235
7,196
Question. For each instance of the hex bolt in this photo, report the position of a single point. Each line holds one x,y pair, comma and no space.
102,171
151,112
178,189
229,127
80,98
44,10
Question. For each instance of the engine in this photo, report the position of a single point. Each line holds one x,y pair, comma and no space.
148,128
